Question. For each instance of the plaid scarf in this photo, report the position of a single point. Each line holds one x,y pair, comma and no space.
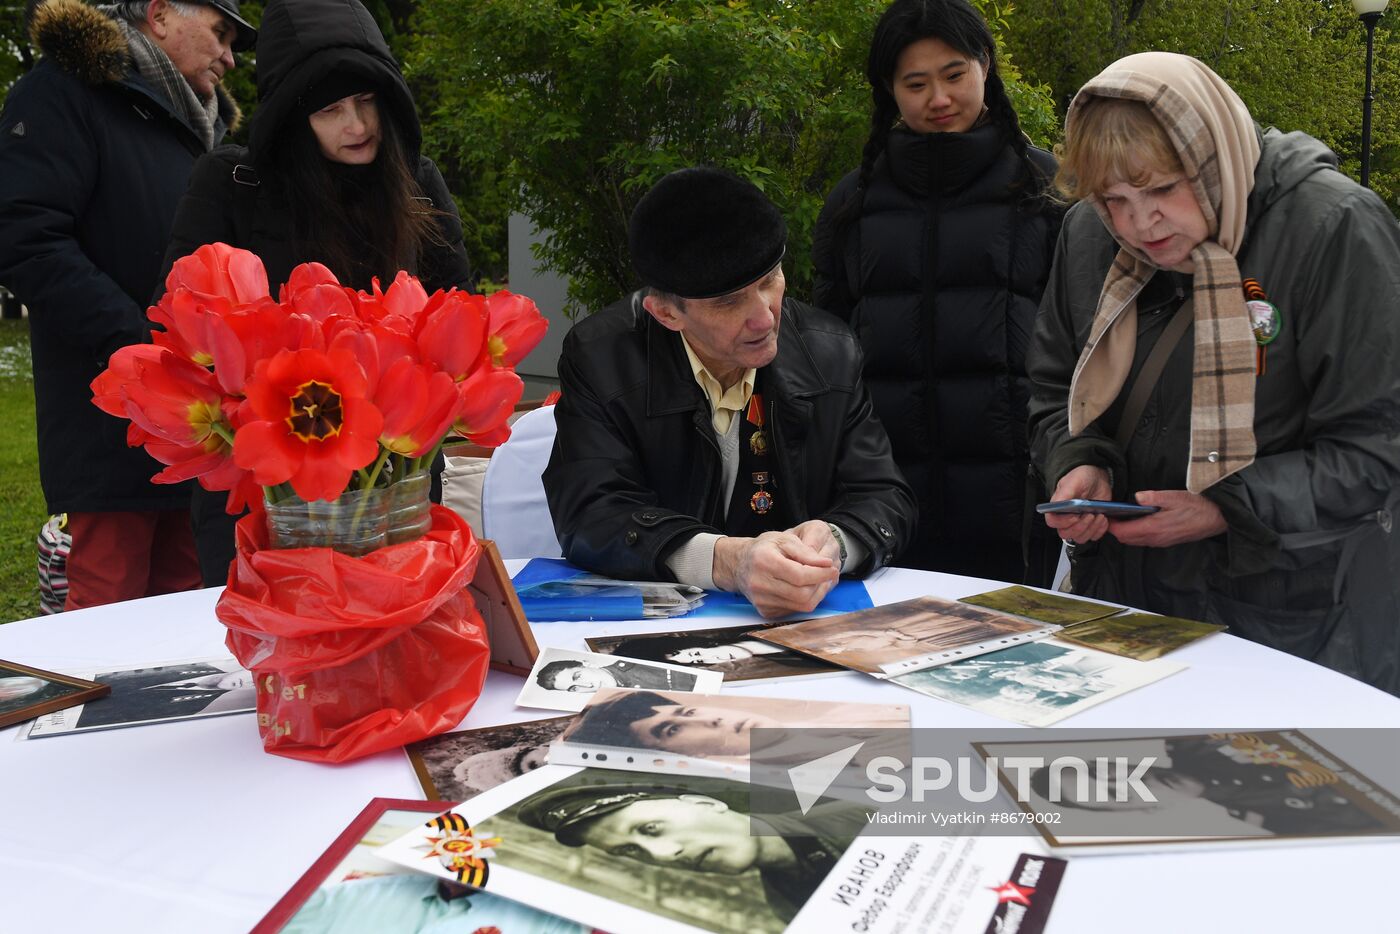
1218,145
160,73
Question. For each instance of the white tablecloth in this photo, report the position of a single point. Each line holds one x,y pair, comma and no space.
185,827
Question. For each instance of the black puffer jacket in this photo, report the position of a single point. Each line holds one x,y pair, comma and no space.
940,277
236,197
635,469
92,164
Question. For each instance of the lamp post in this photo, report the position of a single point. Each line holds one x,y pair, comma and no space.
1370,12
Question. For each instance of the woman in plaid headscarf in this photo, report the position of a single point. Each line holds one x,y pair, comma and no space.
1266,427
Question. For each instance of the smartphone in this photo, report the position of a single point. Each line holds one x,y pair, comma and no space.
1097,506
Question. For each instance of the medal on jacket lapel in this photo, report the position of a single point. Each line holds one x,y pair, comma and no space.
1264,318
761,501
758,441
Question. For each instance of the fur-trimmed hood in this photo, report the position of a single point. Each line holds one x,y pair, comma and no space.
88,44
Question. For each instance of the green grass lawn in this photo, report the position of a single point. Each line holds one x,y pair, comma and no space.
22,508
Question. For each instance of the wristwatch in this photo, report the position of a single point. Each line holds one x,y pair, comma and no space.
840,541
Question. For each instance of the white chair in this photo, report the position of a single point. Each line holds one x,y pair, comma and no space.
514,513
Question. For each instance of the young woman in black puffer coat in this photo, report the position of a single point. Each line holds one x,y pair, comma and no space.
332,174
936,251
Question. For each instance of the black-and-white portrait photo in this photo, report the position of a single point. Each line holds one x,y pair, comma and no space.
460,766
180,691
733,651
564,680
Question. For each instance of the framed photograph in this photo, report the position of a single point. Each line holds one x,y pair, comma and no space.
513,647
563,679
187,690
26,693
733,651
459,766
350,884
911,635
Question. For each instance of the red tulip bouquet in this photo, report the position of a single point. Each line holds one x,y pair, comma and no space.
323,407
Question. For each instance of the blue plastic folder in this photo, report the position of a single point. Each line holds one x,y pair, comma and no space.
542,586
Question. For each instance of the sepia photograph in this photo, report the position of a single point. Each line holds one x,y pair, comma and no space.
905,636
349,888
179,691
1038,683
26,693
1143,636
1038,605
564,680
733,651
644,854
459,766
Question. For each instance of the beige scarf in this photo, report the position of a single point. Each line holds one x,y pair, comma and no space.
1218,145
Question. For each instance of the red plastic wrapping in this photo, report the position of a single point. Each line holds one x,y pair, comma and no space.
356,655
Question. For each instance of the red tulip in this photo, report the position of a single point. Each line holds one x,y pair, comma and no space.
311,423
516,326
418,404
217,270
488,399
314,291
452,336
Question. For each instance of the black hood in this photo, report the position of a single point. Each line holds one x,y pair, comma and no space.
302,41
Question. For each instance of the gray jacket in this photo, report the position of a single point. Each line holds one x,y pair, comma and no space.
1308,564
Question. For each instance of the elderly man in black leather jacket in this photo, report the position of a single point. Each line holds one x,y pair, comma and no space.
713,432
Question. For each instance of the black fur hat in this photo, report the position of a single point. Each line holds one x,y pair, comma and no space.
703,232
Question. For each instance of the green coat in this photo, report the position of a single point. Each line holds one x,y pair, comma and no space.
1327,424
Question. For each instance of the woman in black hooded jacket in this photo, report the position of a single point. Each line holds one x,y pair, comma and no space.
332,174
936,251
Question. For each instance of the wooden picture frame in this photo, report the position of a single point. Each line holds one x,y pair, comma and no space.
55,693
513,647
288,905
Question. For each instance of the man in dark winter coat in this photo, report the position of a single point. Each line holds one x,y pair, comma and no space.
712,432
96,145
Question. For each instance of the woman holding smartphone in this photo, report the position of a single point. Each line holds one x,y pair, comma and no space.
936,250
1218,341
332,174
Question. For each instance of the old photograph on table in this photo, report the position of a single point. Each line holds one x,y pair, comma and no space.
563,679
350,888
714,734
635,854
1265,787
1038,605
459,766
906,636
1143,636
1038,683
733,651
157,694
26,693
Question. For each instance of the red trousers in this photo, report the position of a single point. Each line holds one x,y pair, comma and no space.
124,555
